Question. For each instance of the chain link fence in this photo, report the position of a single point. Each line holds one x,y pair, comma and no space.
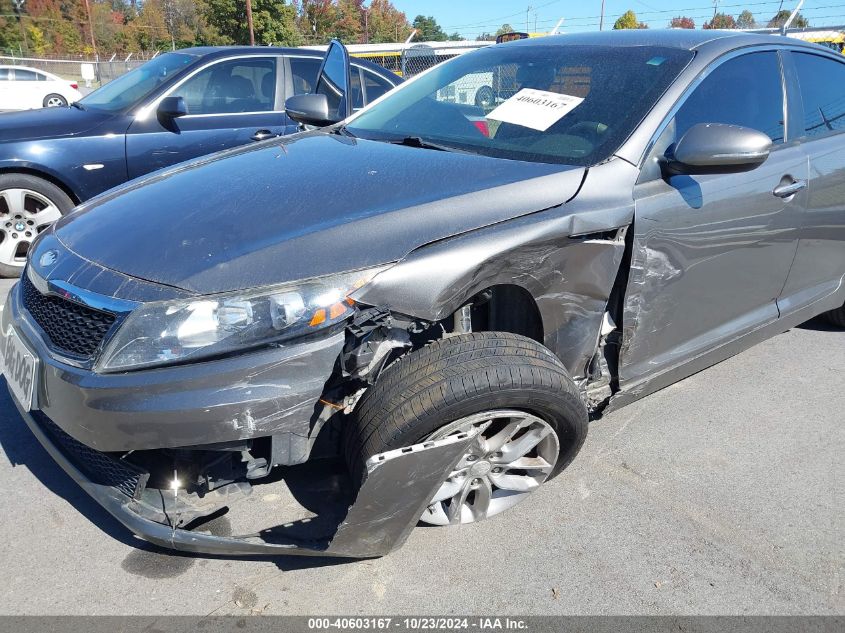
88,72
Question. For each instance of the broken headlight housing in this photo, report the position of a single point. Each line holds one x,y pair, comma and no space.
168,332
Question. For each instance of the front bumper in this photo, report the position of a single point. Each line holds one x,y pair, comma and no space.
258,394
385,510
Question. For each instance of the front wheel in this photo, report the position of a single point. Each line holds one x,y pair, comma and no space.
28,205
534,421
54,101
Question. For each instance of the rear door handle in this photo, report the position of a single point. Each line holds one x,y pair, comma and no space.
790,189
262,135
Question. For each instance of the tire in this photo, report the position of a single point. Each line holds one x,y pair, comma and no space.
54,100
485,97
836,317
468,377
28,205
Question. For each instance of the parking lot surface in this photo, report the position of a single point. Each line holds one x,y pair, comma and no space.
722,494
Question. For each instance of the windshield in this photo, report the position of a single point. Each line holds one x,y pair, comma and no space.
542,103
130,88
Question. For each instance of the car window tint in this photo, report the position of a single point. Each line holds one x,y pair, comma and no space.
4,74
25,75
238,85
303,72
823,93
356,92
375,85
744,91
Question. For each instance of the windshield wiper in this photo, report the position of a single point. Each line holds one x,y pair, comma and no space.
416,141
77,105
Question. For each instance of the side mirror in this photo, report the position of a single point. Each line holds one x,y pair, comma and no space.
172,108
717,148
333,81
311,109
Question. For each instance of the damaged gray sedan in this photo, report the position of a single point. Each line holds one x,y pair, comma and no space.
439,293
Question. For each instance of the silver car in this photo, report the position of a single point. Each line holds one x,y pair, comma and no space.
442,294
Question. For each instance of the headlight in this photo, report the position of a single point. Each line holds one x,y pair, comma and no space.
173,331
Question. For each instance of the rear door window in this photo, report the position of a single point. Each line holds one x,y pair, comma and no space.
25,75
822,84
303,72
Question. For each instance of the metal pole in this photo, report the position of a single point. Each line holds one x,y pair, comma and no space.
248,22
601,19
91,28
527,16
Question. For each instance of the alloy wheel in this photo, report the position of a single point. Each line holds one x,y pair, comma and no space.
56,102
511,457
23,215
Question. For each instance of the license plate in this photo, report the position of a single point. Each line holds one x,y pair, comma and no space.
19,366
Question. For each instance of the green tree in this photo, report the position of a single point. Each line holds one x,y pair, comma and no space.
428,30
348,24
681,22
315,20
800,22
721,21
274,21
745,20
387,23
11,27
628,20
505,28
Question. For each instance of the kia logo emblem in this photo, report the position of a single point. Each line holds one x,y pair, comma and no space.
48,259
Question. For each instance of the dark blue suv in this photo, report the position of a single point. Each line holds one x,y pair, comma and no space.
177,106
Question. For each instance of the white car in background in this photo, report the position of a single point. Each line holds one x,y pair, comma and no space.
24,88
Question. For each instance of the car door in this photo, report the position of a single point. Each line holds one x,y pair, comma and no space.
230,102
26,88
819,264
711,253
300,79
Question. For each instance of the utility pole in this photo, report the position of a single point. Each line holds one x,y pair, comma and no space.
19,11
91,28
527,17
248,22
601,18
366,25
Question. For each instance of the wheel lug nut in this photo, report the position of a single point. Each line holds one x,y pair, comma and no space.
471,458
497,470
476,482
15,235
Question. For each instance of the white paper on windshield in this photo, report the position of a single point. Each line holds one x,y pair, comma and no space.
536,109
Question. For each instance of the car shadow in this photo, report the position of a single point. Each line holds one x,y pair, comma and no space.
819,324
318,495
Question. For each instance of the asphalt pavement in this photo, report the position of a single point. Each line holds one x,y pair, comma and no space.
722,494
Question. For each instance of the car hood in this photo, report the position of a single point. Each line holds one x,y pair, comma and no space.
306,206
31,125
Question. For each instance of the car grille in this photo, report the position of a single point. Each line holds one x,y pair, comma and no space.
100,468
70,327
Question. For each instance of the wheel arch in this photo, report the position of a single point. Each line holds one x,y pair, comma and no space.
565,280
47,175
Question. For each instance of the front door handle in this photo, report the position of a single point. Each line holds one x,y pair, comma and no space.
789,189
262,135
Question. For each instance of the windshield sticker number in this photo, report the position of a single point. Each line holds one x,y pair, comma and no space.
536,109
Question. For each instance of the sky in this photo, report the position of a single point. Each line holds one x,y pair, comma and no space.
472,17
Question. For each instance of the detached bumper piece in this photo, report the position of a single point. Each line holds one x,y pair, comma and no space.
396,489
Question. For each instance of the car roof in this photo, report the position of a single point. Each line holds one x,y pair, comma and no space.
685,39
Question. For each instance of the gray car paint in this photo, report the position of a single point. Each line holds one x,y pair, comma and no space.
549,233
